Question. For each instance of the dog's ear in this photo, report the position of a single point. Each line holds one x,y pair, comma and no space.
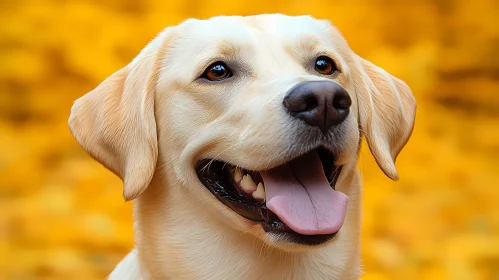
387,110
115,122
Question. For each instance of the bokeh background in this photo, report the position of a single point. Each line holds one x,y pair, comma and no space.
62,215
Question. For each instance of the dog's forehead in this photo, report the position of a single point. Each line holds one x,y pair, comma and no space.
256,42
241,29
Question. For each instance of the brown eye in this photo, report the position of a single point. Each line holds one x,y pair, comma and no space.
217,71
325,65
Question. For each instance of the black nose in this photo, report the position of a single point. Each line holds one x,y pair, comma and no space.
319,103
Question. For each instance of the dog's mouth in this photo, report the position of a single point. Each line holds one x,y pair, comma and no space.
296,201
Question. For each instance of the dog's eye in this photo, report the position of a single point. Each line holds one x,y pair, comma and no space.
217,71
325,65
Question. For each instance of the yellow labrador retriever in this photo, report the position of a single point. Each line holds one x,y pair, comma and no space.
238,139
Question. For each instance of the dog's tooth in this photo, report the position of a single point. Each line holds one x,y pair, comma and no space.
238,175
247,184
259,193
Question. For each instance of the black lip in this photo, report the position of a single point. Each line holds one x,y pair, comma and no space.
215,175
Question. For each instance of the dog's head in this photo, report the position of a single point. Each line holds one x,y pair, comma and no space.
263,112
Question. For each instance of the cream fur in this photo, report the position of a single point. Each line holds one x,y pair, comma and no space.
151,122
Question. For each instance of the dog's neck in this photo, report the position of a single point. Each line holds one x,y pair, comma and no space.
192,245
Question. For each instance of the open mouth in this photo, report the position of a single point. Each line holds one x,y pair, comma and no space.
296,201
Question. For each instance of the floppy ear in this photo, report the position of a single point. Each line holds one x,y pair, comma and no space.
387,110
115,122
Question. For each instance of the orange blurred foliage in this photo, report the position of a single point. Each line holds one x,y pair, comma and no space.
62,215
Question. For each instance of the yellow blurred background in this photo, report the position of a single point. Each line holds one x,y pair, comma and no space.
62,215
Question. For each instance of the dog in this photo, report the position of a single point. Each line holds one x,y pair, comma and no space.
238,138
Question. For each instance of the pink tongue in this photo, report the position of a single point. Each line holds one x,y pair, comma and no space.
300,195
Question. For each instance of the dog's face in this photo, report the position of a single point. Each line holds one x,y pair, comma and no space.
259,118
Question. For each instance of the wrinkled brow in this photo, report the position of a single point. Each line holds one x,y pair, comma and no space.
303,47
230,48
308,43
227,50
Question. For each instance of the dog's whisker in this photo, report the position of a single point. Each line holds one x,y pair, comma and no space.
217,156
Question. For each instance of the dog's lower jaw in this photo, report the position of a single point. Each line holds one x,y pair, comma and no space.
203,248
